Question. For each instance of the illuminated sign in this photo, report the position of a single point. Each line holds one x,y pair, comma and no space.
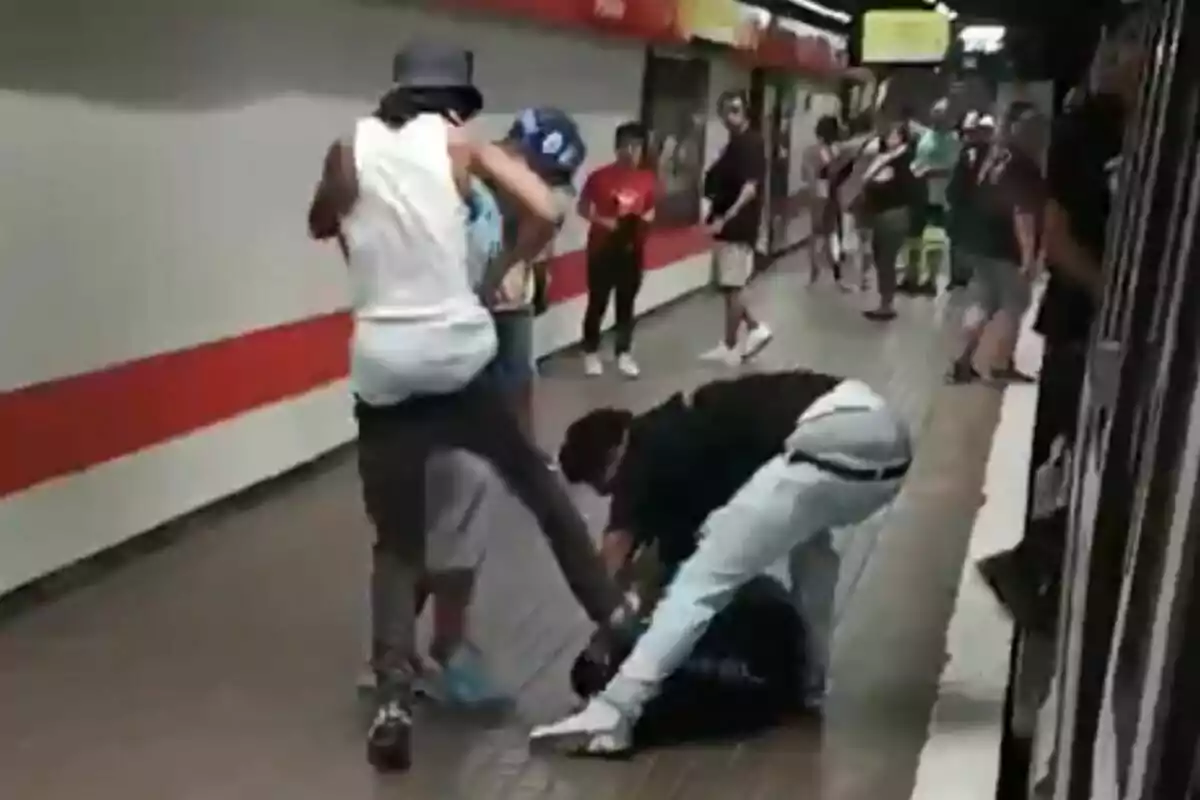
905,36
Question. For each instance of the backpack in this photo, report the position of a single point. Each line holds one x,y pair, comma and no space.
743,676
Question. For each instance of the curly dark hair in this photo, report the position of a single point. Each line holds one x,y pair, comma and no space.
828,129
401,104
589,442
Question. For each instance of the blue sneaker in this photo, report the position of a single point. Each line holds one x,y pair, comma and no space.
463,681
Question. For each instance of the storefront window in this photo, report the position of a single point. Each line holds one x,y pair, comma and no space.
675,107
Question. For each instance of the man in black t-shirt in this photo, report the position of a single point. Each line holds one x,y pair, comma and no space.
734,187
1081,185
727,483
1001,190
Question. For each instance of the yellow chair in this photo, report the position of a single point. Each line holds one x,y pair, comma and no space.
934,242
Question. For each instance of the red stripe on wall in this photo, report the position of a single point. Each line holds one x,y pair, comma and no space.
67,425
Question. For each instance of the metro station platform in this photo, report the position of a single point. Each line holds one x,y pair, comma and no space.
222,664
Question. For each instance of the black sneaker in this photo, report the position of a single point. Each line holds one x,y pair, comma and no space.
928,289
961,373
908,288
1032,604
880,315
1011,374
389,741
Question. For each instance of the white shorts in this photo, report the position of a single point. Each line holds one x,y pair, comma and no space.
732,265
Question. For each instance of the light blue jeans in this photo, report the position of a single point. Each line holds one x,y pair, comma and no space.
784,510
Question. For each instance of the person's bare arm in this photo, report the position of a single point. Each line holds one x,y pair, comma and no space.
1067,256
617,549
513,177
335,195
587,209
748,193
1025,229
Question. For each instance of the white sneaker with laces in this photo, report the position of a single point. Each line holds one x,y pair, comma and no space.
598,730
756,340
627,366
723,354
593,367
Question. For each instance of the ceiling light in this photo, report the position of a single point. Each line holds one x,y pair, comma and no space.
825,11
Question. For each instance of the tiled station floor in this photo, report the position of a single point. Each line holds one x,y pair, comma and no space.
222,665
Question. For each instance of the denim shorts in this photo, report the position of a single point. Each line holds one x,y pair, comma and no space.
514,366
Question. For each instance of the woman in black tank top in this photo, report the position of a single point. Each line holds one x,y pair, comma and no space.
888,187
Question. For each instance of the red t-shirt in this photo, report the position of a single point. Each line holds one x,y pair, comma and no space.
616,191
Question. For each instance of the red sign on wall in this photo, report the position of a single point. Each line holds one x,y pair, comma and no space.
653,20
659,21
646,20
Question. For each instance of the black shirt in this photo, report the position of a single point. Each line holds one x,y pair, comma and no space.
960,192
894,186
1085,151
686,460
1008,182
742,161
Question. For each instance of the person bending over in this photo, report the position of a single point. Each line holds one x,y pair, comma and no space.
393,194
618,202
756,469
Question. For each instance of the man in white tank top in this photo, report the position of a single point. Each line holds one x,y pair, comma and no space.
394,196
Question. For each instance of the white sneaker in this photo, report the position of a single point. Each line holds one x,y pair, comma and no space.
756,340
627,366
723,354
593,367
598,730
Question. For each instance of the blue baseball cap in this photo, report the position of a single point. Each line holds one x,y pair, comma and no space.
550,141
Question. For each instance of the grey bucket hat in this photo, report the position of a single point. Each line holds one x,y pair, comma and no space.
430,65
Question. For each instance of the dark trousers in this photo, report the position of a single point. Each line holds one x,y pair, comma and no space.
1059,387
614,270
888,229
393,449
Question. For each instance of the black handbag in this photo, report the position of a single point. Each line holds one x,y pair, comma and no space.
743,676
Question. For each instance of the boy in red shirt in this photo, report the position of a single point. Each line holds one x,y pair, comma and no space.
618,202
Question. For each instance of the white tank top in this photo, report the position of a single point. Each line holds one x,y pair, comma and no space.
419,328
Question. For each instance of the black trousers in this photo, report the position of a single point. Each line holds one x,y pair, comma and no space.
394,445
1059,387
614,271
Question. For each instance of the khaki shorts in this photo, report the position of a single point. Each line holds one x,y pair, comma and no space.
732,265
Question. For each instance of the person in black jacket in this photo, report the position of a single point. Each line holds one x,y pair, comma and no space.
1081,186
726,483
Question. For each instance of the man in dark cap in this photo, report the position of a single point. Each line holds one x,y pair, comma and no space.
394,195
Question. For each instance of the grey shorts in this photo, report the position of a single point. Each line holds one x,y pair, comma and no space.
997,285
458,487
732,265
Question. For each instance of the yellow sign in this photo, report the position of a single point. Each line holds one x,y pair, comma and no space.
720,21
905,36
